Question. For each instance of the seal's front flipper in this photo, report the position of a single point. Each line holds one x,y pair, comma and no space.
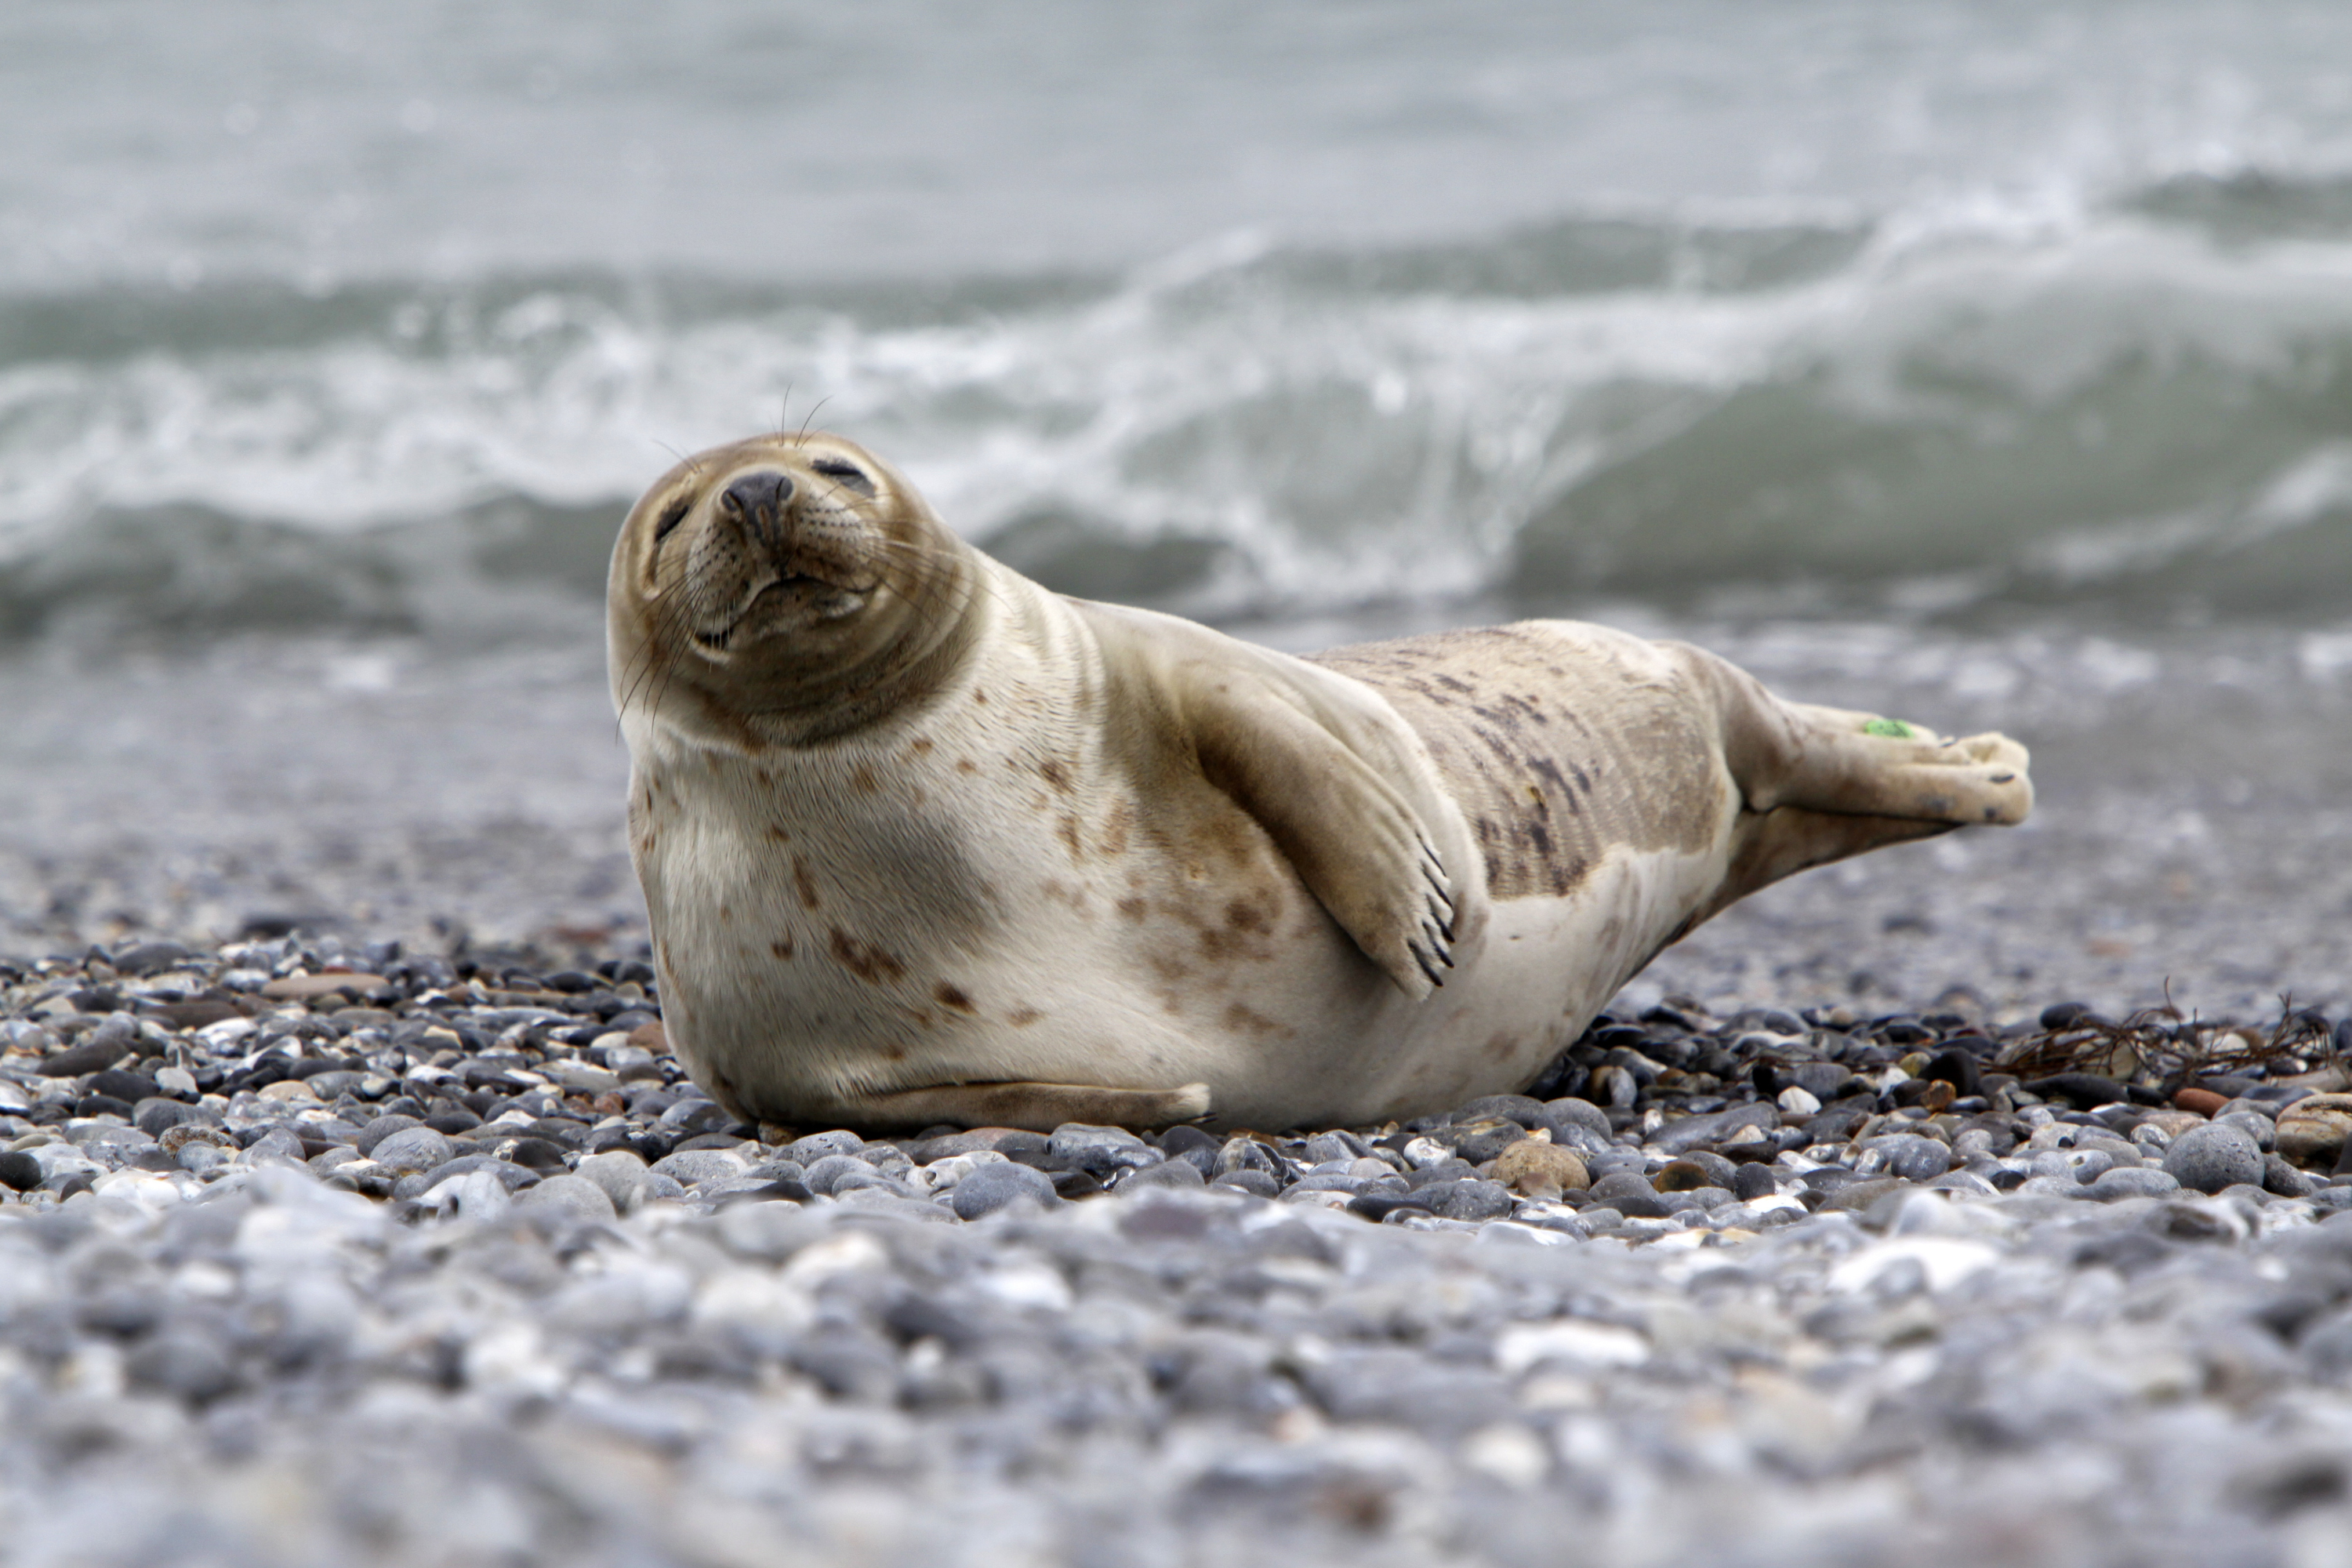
1318,779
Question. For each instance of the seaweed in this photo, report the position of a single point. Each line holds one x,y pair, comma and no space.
2172,1049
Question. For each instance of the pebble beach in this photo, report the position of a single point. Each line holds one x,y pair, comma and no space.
1978,1203
322,1253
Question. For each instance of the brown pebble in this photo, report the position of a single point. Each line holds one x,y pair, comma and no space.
2203,1101
650,1037
1539,1168
1682,1176
1939,1095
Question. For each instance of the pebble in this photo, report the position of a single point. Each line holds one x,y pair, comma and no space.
987,1189
2209,1157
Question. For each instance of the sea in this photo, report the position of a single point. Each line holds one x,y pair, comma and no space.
1987,363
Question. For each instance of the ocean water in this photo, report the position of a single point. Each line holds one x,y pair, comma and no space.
1995,356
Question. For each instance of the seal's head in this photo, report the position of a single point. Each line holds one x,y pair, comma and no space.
782,590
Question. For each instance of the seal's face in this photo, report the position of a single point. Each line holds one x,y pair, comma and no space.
784,579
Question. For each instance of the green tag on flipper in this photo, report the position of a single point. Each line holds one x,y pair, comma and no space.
1893,730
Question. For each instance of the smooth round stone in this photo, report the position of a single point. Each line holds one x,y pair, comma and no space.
987,1188
1100,1150
617,1173
409,1149
2283,1180
2315,1130
1326,1146
380,1129
1477,1200
1538,1168
1167,1174
2209,1157
1623,1182
1257,1183
808,1151
1912,1156
511,1176
572,1197
689,1167
819,1177
2256,1124
1574,1112
2131,1182
1754,1181
1683,1175
2078,1164
19,1170
278,1144
471,1194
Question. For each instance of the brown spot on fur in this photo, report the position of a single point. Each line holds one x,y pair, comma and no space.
919,746
1115,828
966,765
778,834
1072,837
1240,1020
863,781
869,963
1501,1047
1563,750
782,947
1022,1017
803,883
1054,773
1134,909
951,997
979,697
1241,915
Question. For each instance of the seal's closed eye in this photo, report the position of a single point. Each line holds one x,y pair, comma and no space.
848,473
673,517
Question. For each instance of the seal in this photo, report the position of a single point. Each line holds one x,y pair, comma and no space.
923,842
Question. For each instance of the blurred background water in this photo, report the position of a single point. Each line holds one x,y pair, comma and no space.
1987,362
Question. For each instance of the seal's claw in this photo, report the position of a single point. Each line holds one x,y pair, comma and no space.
1427,968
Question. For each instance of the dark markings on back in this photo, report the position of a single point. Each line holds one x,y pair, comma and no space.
1555,753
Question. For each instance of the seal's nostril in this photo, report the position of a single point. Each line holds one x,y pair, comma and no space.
759,495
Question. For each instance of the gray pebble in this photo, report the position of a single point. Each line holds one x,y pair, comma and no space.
2209,1157
381,1128
1100,1150
409,1149
1167,1174
1000,1184
820,1177
2285,1181
2131,1182
1257,1183
808,1151
689,1167
573,1197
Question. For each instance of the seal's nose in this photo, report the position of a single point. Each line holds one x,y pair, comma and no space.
759,496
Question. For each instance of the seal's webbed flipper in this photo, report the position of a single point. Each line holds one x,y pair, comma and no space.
1300,766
